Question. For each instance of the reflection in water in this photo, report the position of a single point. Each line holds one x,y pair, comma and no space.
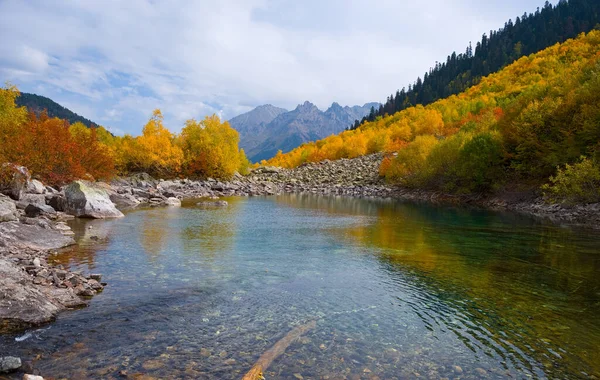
397,290
536,289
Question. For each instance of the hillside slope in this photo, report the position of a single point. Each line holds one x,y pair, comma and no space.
528,34
519,124
38,103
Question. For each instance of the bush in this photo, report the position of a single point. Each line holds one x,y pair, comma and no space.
577,183
479,165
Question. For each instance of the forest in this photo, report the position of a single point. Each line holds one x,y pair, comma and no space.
528,34
57,152
535,121
38,104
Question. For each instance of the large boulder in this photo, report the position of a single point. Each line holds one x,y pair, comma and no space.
8,210
87,200
14,180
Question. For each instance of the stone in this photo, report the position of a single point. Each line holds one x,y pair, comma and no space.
32,377
36,210
9,364
174,202
18,178
8,209
481,371
213,204
123,201
36,262
22,304
33,199
35,187
14,235
57,202
205,352
88,200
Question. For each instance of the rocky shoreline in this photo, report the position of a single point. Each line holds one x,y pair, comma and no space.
356,177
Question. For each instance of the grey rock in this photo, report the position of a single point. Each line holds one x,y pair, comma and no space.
34,199
88,200
57,202
33,210
22,304
35,187
8,209
9,364
22,236
124,201
17,184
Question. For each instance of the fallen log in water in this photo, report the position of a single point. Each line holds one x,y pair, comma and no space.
256,373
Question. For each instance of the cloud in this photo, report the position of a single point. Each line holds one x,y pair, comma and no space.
119,60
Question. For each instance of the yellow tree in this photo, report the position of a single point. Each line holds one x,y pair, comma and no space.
157,153
211,148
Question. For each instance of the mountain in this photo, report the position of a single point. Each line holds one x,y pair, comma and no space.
37,104
528,34
267,129
252,124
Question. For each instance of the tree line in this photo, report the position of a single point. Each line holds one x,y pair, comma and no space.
57,151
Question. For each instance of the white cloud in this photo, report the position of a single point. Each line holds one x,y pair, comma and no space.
122,59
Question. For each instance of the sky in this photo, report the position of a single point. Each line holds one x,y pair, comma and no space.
115,61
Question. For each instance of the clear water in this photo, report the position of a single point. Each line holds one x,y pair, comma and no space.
397,290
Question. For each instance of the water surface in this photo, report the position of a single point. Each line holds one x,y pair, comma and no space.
398,291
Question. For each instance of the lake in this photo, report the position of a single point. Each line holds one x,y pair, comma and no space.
397,290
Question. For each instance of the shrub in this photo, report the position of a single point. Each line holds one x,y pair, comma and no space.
575,183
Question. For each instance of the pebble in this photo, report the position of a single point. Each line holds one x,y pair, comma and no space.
32,377
481,371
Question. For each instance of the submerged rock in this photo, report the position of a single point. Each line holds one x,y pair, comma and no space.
173,202
89,200
213,204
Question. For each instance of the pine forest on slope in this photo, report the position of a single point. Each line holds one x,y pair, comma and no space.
529,34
